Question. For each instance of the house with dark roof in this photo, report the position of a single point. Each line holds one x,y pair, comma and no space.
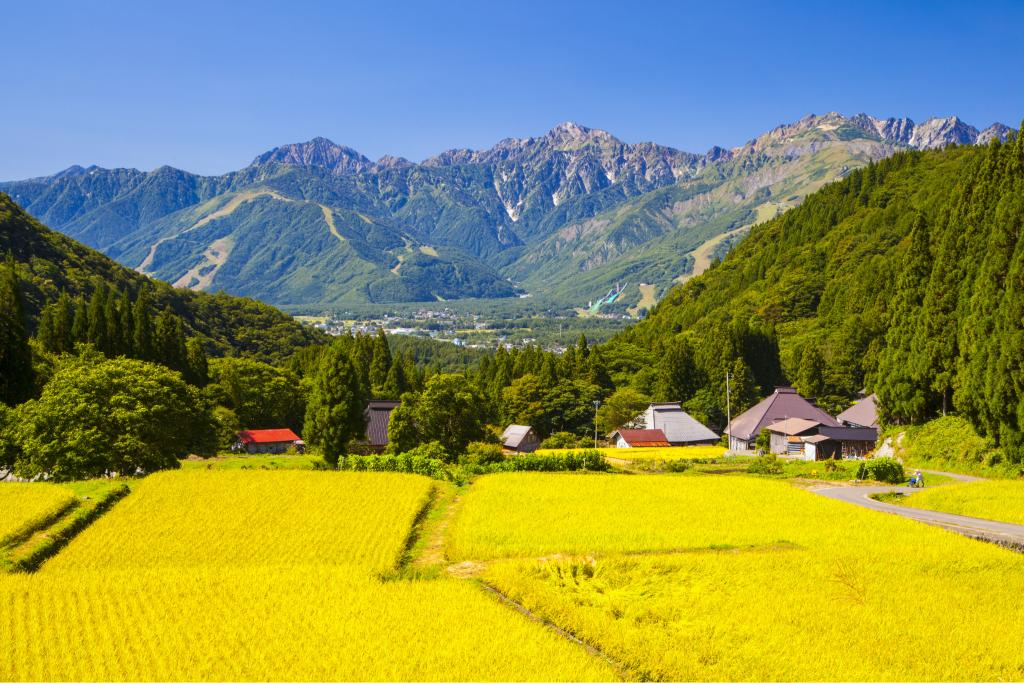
783,404
268,441
520,439
378,414
863,413
679,427
840,442
640,438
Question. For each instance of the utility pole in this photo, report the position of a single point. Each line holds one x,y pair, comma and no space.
597,404
728,411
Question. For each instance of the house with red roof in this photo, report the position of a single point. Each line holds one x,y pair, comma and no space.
640,438
269,441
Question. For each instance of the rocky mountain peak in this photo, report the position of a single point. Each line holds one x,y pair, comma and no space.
996,130
318,152
571,132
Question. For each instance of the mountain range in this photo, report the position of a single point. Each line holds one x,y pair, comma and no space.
564,216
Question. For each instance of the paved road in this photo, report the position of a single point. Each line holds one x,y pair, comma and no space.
1011,535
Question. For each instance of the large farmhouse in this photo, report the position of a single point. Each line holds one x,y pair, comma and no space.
783,404
679,428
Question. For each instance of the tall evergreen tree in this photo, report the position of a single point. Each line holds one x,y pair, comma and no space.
97,331
334,413
143,336
678,376
810,379
170,341
16,374
396,382
115,337
904,397
198,373
381,364
127,327
80,324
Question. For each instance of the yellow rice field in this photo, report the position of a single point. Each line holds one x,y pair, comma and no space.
535,514
253,575
992,499
674,453
235,518
23,506
798,588
269,624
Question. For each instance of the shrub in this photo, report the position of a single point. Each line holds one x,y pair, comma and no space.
481,453
587,459
431,450
403,462
678,465
765,464
563,440
950,438
763,441
886,470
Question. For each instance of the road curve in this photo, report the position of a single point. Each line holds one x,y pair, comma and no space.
1003,533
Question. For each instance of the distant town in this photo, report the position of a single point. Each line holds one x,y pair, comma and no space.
475,330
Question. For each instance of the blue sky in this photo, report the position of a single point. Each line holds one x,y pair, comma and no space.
206,86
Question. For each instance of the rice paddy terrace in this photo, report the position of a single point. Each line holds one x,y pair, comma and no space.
297,575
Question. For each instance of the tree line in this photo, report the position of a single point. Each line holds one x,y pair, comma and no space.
905,278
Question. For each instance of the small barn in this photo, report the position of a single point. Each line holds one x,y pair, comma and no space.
840,442
679,427
520,439
269,441
640,438
786,435
378,415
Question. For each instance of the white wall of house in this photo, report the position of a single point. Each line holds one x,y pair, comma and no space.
620,442
810,451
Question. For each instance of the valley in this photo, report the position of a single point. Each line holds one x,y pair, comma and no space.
562,217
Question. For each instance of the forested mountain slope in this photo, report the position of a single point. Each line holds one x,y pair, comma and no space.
564,215
49,263
906,278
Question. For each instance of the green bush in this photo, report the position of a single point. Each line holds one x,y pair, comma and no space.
763,441
886,470
565,440
403,462
765,464
678,465
482,453
587,459
950,439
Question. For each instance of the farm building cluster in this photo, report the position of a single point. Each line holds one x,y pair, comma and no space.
795,426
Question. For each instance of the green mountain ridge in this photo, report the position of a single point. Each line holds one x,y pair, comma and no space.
563,216
906,279
49,263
